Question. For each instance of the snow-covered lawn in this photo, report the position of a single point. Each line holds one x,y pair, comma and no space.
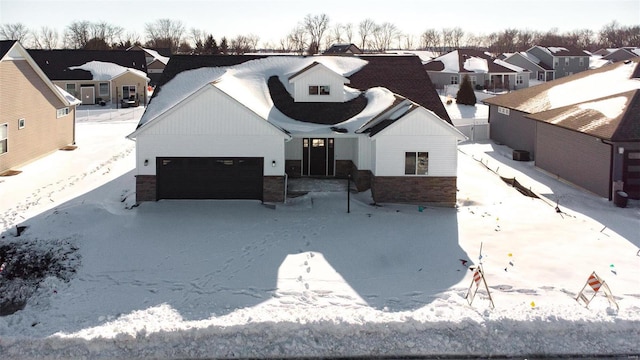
203,279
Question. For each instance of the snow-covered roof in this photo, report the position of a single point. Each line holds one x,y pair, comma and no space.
104,71
156,55
592,101
248,84
470,61
70,98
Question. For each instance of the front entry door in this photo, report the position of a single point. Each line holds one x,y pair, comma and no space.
88,94
318,157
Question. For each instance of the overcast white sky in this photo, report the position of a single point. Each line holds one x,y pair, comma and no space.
272,20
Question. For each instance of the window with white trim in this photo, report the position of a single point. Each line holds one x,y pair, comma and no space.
503,110
319,90
21,123
103,89
474,81
4,132
62,112
581,61
454,80
566,61
416,163
519,80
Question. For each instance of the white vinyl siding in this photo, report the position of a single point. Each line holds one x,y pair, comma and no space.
419,131
208,114
321,79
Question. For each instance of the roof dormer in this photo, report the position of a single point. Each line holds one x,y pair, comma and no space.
318,83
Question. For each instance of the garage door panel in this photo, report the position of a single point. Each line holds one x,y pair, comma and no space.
209,178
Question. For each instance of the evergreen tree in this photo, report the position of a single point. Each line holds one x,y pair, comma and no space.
210,46
466,95
224,46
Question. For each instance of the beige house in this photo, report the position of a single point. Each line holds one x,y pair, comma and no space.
97,77
36,116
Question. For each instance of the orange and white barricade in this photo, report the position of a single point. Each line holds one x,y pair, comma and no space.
591,288
476,283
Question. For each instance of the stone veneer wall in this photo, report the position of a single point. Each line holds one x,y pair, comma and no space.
146,188
414,190
273,189
362,178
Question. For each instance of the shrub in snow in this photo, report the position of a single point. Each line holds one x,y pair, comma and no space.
25,264
466,95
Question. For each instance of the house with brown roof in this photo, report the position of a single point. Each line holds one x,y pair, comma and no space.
238,127
583,128
97,76
484,71
564,61
36,117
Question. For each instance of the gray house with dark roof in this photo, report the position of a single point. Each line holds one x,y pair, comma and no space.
564,61
238,127
484,71
584,128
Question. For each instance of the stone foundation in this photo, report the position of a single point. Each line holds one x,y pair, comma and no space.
273,189
414,190
146,188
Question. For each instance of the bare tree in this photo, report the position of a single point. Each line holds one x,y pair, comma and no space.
456,36
348,32
46,38
240,45
253,40
316,26
336,34
17,31
106,32
383,35
77,34
298,39
447,39
409,42
430,39
365,29
163,32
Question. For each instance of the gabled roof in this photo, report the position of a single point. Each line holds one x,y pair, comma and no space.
56,63
14,50
614,118
402,75
314,65
337,49
573,89
562,50
5,46
261,84
467,61
531,58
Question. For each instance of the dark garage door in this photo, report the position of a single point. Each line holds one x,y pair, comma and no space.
209,178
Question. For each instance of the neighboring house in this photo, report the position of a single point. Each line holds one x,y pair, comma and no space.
97,76
157,60
238,126
621,54
538,70
584,128
36,117
485,72
343,49
563,60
